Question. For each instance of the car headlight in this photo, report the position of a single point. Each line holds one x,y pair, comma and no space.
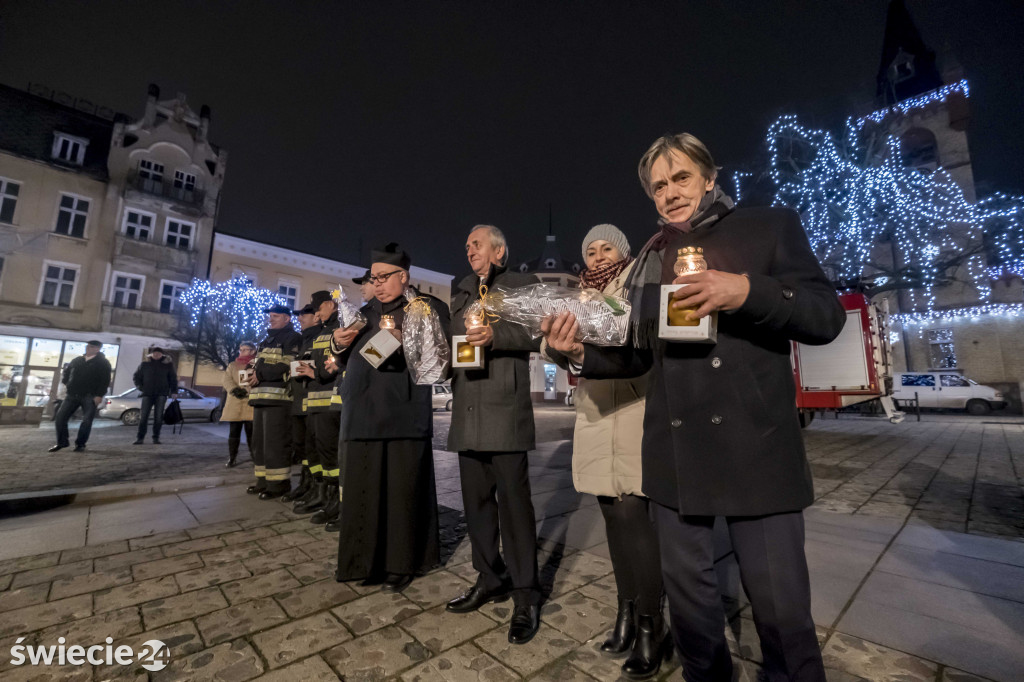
998,396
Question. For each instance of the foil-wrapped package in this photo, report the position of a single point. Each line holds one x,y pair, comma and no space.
603,319
426,346
349,316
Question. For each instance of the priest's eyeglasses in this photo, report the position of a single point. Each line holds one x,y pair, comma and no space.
381,278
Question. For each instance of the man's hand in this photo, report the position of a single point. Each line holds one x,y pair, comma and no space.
710,291
253,381
397,333
305,370
344,337
560,331
480,336
329,364
98,399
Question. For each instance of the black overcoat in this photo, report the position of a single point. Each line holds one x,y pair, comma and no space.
721,434
156,377
384,403
492,410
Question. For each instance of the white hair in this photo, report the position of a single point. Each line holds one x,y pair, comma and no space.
497,240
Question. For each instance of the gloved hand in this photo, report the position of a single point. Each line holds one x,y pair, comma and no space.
239,392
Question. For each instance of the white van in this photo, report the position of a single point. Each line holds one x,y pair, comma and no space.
947,389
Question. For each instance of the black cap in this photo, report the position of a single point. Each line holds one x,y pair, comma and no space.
392,254
156,349
364,278
319,298
94,342
307,309
282,309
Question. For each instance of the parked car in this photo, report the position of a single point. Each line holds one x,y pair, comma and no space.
442,398
946,389
128,406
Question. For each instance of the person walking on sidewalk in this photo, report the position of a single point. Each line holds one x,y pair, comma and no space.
606,462
87,379
237,411
156,379
271,397
492,429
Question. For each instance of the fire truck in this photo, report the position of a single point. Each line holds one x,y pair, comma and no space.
854,368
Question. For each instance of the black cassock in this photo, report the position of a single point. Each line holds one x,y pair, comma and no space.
389,501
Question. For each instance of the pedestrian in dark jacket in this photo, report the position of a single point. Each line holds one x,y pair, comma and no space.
156,379
492,428
87,379
721,433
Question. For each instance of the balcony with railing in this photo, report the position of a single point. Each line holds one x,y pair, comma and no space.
154,254
137,320
189,197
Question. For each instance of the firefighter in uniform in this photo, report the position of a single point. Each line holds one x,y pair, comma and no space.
321,394
271,398
310,330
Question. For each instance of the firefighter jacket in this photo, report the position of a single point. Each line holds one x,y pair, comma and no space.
300,384
321,389
273,363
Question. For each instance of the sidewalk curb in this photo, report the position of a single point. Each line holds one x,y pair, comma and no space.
114,491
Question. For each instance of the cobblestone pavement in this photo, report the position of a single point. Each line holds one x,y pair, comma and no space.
241,589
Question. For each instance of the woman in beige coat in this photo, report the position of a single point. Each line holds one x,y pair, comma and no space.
237,412
606,463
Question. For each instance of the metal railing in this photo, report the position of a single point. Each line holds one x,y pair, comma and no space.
166,190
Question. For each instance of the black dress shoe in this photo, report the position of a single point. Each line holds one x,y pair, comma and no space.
525,623
57,447
333,526
396,583
476,597
138,441
253,490
156,441
270,495
373,580
231,461
79,448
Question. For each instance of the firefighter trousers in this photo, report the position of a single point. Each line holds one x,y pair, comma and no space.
272,451
327,426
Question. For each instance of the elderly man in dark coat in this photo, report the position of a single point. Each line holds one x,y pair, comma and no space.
388,523
721,434
492,428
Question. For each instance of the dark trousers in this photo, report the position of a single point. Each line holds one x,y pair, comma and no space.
316,469
155,403
773,571
633,546
496,495
67,408
272,438
299,440
235,433
327,426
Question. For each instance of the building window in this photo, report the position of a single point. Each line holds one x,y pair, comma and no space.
289,291
180,234
138,225
8,200
58,286
69,148
185,181
152,171
169,292
127,290
72,215
943,352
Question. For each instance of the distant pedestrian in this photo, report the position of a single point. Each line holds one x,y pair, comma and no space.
87,379
156,379
237,412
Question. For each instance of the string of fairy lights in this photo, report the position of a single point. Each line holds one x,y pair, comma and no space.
236,303
861,205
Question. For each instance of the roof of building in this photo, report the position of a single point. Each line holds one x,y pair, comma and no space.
550,260
903,42
28,123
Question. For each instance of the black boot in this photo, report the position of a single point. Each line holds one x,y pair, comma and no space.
232,451
309,495
653,644
331,507
314,503
624,632
298,492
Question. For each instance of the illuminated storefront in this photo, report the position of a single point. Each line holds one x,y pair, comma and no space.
30,368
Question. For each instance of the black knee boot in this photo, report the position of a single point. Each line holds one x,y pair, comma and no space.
624,632
330,510
232,451
314,500
653,645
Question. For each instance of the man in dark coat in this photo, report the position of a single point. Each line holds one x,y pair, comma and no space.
156,379
271,398
87,379
721,433
492,428
389,526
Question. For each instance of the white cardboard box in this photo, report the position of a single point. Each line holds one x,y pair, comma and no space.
465,355
380,347
704,330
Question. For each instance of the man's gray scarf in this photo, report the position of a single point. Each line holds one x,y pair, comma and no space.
644,286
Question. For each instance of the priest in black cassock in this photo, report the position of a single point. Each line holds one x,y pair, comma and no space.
389,526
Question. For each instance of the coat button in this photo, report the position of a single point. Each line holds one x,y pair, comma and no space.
676,423
787,293
716,362
716,419
470,408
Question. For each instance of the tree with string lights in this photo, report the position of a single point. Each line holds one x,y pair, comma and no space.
217,317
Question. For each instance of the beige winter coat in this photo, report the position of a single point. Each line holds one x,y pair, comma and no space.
609,427
235,409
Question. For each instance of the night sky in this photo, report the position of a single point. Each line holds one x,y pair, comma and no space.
349,124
